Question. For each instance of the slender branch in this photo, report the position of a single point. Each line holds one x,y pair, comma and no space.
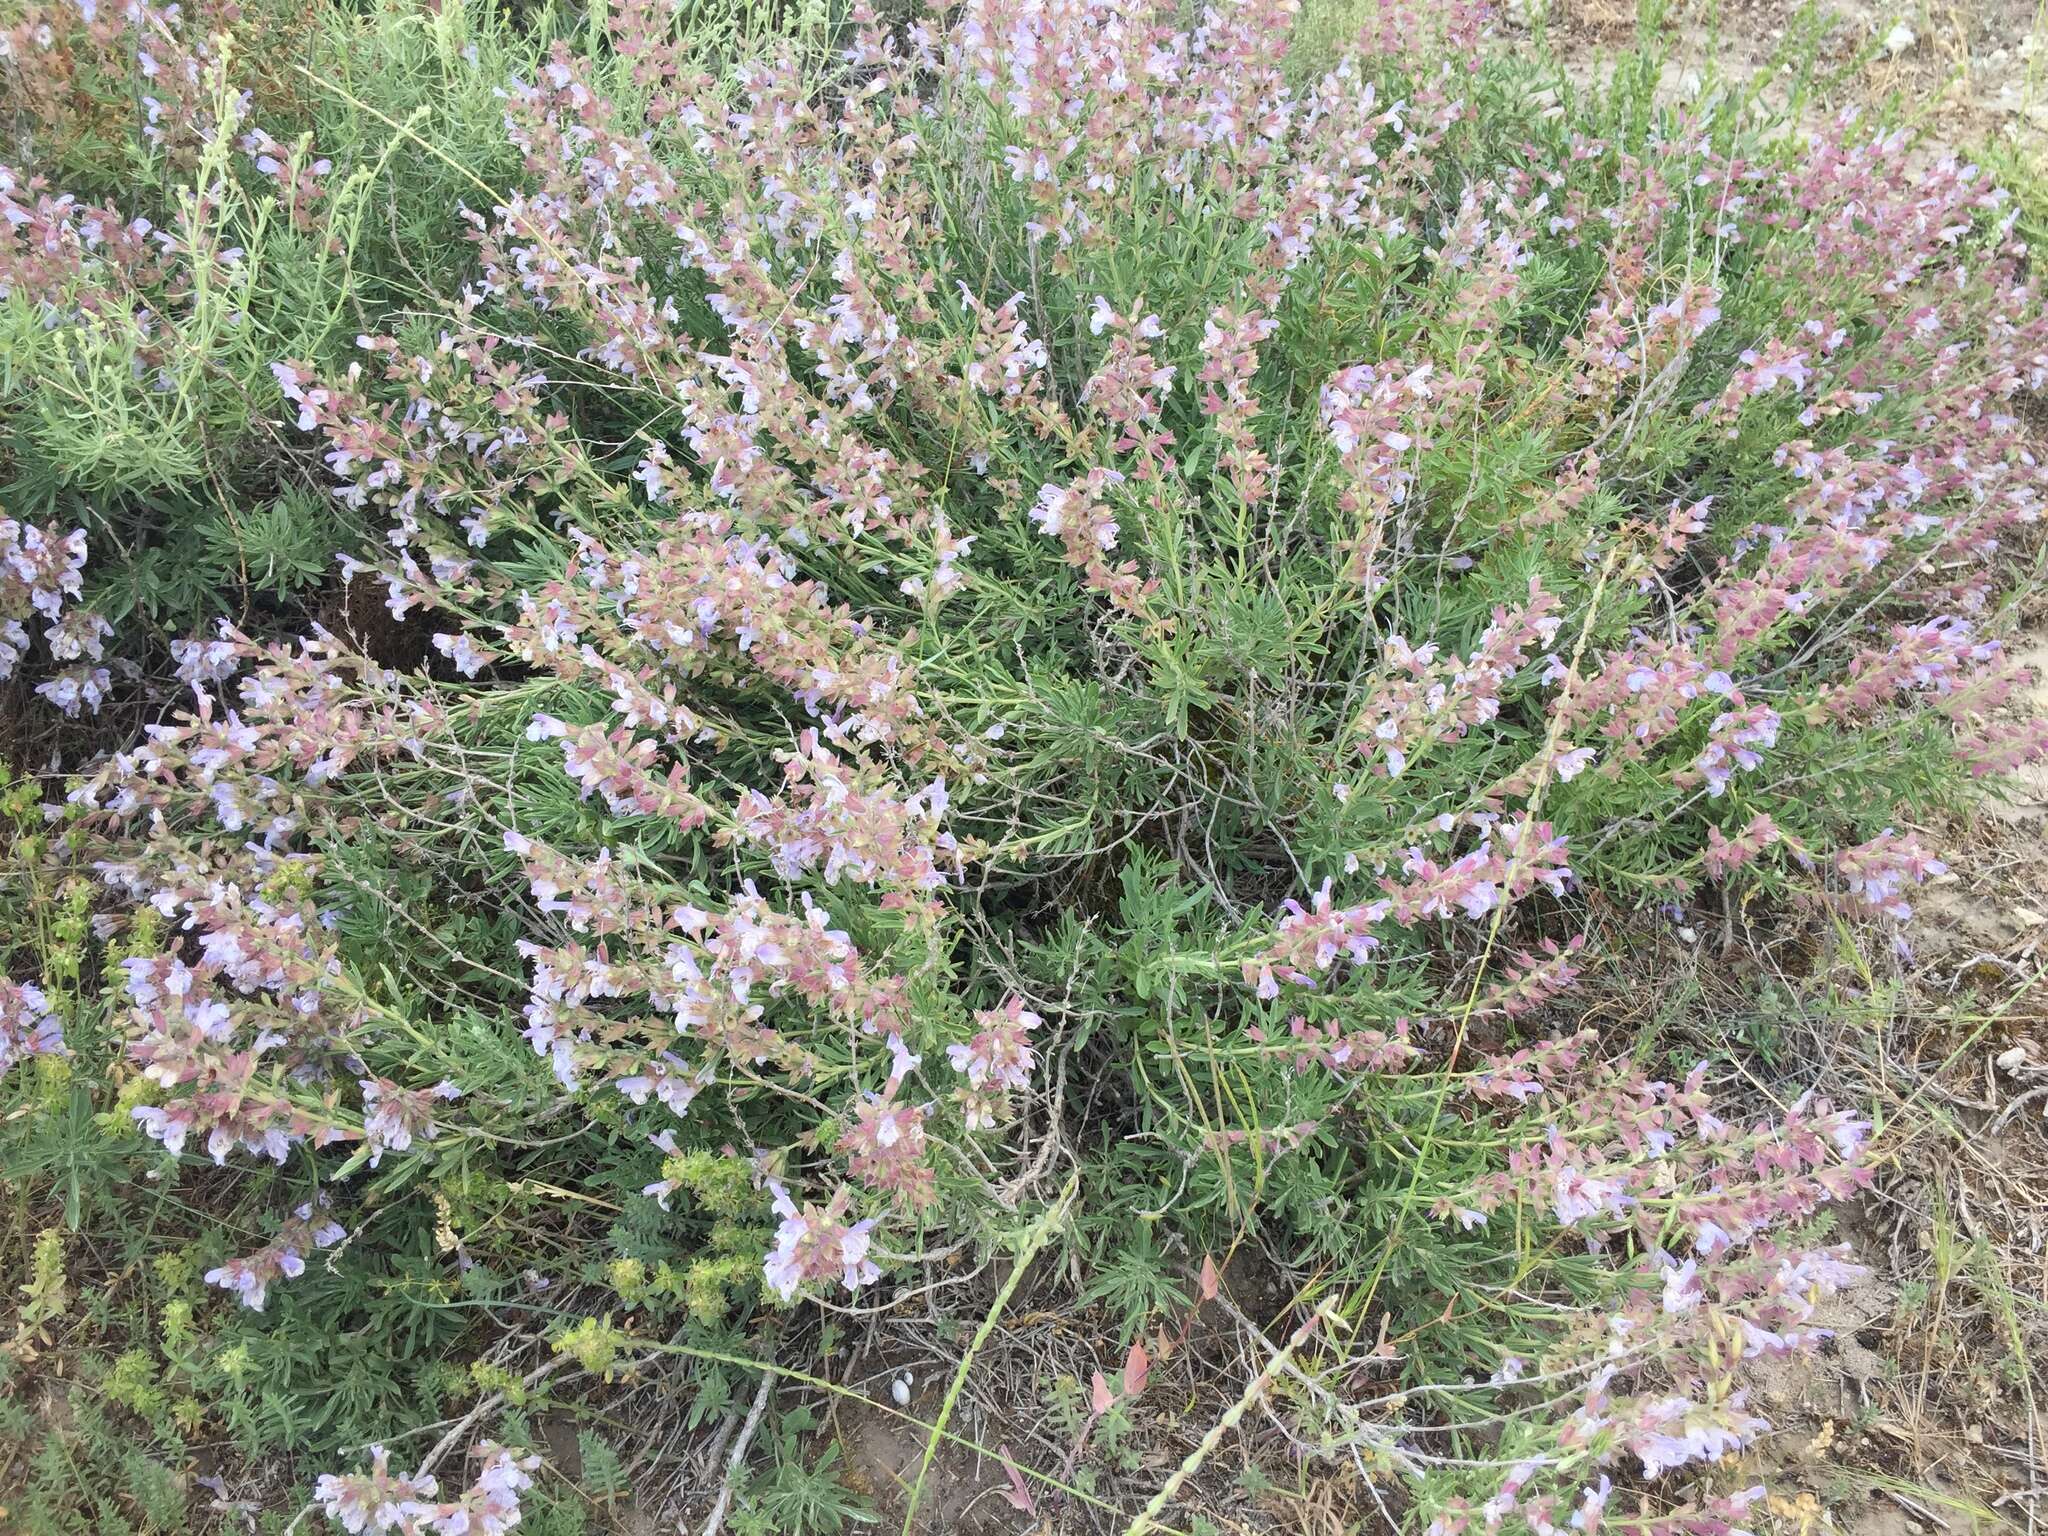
738,1456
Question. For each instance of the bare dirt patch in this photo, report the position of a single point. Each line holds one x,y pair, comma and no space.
1962,73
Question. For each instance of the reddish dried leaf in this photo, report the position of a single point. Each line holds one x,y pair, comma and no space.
1137,1366
1018,1495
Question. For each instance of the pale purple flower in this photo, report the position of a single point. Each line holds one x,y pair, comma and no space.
1000,1054
250,1277
28,1026
813,1244
1578,1196
394,1116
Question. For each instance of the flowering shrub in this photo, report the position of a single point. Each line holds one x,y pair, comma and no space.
191,213
1051,545
1655,1384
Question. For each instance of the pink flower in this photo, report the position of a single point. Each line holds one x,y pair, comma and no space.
999,1055
377,1502
1878,872
813,1244
886,1147
393,1116
1578,1196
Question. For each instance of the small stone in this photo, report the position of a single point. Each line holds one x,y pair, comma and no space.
1898,40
